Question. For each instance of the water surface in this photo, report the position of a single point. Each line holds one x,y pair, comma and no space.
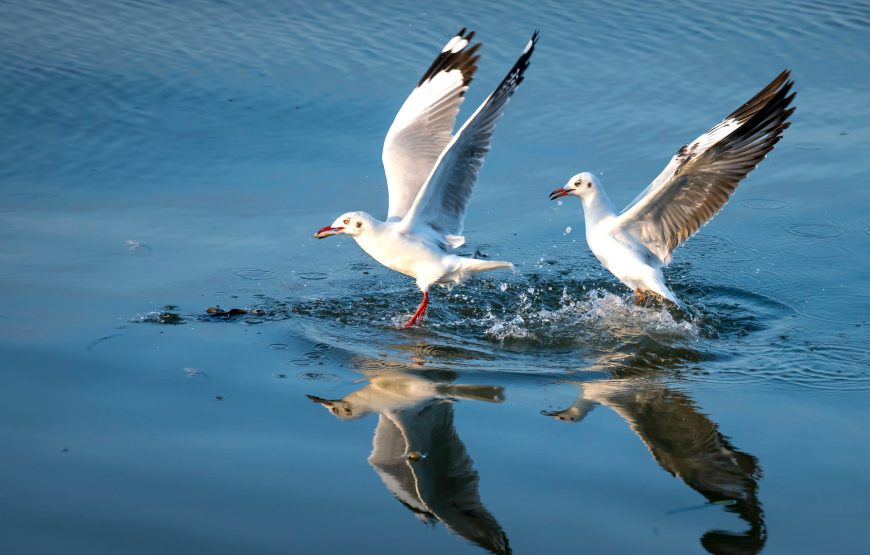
161,159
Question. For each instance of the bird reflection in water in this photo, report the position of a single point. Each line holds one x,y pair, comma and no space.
687,444
417,452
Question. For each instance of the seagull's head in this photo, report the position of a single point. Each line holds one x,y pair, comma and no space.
351,223
338,407
582,185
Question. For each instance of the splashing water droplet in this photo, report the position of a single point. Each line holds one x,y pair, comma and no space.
503,287
567,230
583,318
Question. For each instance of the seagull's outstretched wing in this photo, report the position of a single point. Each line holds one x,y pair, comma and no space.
701,177
424,124
443,200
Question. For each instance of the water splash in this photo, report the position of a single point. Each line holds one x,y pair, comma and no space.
588,316
547,324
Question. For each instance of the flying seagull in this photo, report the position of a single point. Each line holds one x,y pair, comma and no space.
430,174
635,244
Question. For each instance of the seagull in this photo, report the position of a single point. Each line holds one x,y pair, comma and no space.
430,174
635,244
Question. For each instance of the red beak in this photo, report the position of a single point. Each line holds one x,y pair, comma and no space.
560,192
327,231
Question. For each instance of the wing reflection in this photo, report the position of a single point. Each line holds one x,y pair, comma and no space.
417,452
686,443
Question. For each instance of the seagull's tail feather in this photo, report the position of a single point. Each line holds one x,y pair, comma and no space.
474,265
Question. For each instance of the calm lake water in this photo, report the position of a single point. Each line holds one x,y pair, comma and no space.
158,159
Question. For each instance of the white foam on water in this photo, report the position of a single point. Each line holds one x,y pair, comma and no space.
594,312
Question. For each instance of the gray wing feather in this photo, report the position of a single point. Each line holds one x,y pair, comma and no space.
704,174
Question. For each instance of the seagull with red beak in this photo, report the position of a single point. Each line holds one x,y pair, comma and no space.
431,173
635,244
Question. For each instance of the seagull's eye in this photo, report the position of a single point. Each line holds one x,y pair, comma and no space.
358,225
577,183
347,221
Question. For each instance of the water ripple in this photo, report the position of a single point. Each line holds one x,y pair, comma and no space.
836,307
763,204
254,274
816,231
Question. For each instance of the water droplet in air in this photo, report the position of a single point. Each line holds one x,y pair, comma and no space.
567,230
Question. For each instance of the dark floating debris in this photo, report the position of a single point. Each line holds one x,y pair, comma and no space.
218,312
169,318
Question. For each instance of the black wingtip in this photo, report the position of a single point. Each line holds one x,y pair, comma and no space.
465,59
533,41
779,87
517,73
764,118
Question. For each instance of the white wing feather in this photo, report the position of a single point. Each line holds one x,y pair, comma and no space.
423,126
443,200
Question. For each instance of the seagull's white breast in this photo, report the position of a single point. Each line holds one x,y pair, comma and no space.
409,254
619,254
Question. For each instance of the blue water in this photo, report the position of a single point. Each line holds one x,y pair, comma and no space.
158,159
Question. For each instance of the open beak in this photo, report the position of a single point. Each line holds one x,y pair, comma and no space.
558,193
327,231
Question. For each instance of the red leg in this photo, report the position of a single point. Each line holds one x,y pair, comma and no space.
420,310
